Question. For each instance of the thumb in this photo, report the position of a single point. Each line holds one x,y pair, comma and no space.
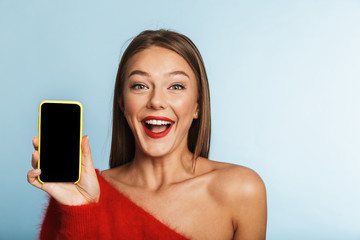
86,159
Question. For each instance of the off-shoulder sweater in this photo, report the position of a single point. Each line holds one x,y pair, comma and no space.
113,217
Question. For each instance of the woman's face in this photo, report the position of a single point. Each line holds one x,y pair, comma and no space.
160,100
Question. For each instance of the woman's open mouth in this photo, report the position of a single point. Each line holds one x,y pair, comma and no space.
157,127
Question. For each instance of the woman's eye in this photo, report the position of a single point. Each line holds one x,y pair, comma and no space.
138,86
177,87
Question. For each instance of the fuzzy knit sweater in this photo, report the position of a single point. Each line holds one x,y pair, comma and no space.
113,217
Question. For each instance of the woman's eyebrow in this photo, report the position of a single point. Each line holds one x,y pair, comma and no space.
138,72
141,73
179,73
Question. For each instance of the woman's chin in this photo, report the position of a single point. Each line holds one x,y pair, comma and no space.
159,147
156,151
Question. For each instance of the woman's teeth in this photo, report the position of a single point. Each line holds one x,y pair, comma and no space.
157,122
157,126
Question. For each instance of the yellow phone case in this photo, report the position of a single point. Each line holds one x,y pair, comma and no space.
81,128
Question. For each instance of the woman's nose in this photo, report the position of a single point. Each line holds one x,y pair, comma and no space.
157,99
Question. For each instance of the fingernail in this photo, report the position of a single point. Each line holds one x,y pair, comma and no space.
36,171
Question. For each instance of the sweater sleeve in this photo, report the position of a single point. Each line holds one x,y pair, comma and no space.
70,222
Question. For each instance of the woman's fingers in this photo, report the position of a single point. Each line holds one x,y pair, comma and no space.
32,178
33,174
35,159
86,159
35,142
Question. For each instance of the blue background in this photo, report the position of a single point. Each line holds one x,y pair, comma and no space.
285,94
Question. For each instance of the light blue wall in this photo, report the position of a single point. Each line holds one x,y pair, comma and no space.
285,89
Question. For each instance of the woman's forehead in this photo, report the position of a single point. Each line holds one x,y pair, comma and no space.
158,60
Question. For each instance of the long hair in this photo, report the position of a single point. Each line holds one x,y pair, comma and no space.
123,141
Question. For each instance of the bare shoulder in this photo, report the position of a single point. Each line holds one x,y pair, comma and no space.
241,180
234,179
242,191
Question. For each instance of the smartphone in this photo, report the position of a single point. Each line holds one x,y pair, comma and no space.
60,135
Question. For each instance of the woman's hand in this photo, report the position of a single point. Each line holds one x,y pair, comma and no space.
86,191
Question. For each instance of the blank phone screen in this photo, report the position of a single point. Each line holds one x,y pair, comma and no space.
60,126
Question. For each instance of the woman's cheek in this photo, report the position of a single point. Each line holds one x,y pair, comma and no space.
182,106
132,107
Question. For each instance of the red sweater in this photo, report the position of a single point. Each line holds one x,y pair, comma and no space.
113,217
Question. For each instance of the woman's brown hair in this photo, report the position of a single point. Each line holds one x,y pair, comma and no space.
123,142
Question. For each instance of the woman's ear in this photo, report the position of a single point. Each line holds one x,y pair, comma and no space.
196,115
197,112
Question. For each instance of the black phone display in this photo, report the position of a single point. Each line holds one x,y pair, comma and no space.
60,133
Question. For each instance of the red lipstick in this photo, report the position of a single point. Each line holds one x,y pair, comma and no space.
157,134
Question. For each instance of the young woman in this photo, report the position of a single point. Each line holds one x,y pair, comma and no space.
160,184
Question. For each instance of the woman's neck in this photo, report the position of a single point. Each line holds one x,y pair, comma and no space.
156,173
